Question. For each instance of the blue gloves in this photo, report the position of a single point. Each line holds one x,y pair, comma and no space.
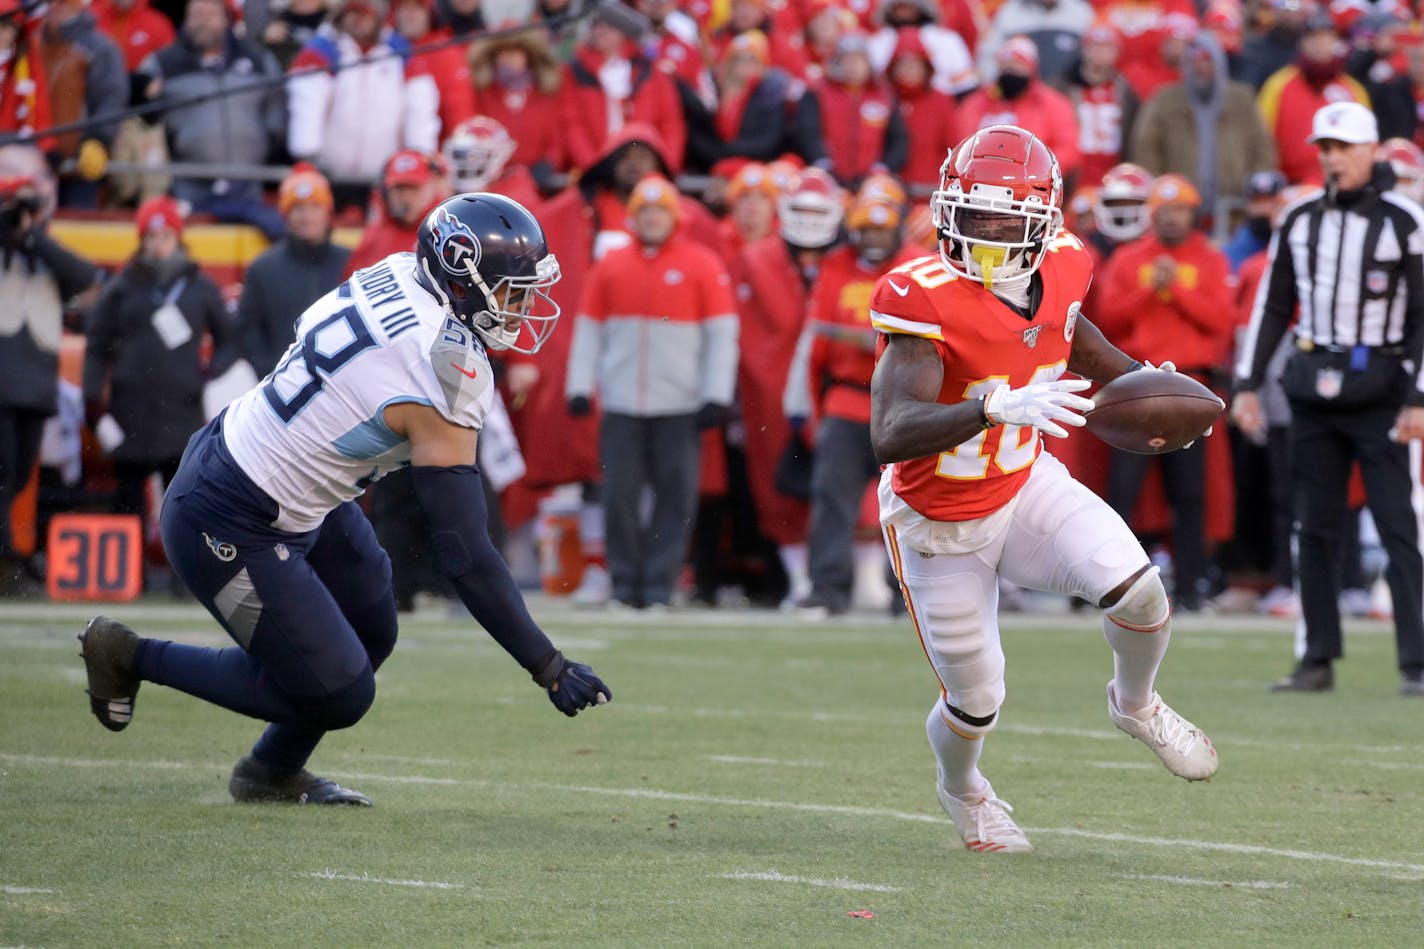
572,686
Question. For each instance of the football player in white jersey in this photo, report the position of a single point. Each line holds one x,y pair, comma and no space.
389,369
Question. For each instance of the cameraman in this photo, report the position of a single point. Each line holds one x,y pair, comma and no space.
37,277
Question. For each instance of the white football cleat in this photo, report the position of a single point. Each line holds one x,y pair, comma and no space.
983,821
1185,749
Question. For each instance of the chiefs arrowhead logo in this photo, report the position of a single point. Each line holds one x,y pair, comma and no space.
457,245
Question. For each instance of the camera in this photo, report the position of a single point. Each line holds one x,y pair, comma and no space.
20,205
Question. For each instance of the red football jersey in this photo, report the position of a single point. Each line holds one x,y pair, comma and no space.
983,342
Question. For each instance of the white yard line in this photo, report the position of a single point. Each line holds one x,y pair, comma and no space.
844,810
839,883
367,878
777,762
9,890
1192,881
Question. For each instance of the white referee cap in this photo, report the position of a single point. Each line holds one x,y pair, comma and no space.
1347,122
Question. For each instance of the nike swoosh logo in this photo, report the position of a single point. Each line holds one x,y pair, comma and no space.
897,288
465,372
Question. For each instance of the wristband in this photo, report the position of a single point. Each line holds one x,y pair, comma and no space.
985,423
547,674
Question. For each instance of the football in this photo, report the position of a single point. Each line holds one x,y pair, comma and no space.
1150,412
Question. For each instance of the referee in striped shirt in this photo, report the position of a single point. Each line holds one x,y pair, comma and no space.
1352,258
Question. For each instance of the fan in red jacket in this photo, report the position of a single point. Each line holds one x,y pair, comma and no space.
136,26
928,113
773,278
850,123
831,377
1173,288
24,91
1019,97
516,83
412,184
610,84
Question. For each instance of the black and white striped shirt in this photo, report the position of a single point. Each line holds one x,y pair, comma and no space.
1355,268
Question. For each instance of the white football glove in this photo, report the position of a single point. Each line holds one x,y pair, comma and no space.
1040,404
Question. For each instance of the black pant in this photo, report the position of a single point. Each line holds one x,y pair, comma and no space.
844,464
20,433
1323,446
1184,480
662,455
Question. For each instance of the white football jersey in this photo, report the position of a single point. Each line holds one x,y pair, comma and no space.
312,434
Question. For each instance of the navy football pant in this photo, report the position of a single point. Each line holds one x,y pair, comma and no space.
312,614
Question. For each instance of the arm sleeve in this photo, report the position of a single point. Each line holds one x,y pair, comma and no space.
71,272
720,330
1271,313
453,503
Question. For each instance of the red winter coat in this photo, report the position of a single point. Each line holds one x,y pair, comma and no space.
771,302
584,119
929,120
1041,109
139,30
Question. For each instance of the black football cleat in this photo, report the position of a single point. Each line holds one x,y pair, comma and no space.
107,648
253,782
1307,677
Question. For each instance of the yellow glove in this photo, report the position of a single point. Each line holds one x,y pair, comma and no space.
92,160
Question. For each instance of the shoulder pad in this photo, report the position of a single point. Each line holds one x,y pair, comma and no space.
464,373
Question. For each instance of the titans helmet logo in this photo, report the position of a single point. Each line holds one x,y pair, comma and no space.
456,244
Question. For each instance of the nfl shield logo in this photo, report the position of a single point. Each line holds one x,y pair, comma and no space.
1377,281
1328,383
1031,336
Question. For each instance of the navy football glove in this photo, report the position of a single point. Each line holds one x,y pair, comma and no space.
572,686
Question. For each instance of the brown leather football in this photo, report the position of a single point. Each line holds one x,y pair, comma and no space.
1150,412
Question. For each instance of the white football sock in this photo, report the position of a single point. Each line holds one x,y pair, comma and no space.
957,750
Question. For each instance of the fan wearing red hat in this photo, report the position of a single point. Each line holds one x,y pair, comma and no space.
664,304
1018,97
293,273
412,183
143,359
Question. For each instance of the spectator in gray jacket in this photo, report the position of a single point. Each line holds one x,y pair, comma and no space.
656,337
232,126
293,273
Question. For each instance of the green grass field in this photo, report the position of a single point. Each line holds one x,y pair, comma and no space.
753,783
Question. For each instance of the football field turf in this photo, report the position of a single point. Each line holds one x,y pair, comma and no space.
756,781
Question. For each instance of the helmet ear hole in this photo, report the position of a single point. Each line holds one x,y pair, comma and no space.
457,290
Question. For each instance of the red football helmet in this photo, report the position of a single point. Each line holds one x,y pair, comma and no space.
1408,163
477,151
1120,209
812,211
999,205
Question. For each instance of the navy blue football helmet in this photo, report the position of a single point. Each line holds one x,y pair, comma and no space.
485,258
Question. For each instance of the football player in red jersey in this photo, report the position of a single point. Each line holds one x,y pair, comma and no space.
977,340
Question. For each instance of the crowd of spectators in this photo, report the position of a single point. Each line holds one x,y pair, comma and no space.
774,117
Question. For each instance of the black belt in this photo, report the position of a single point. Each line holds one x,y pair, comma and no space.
1309,346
